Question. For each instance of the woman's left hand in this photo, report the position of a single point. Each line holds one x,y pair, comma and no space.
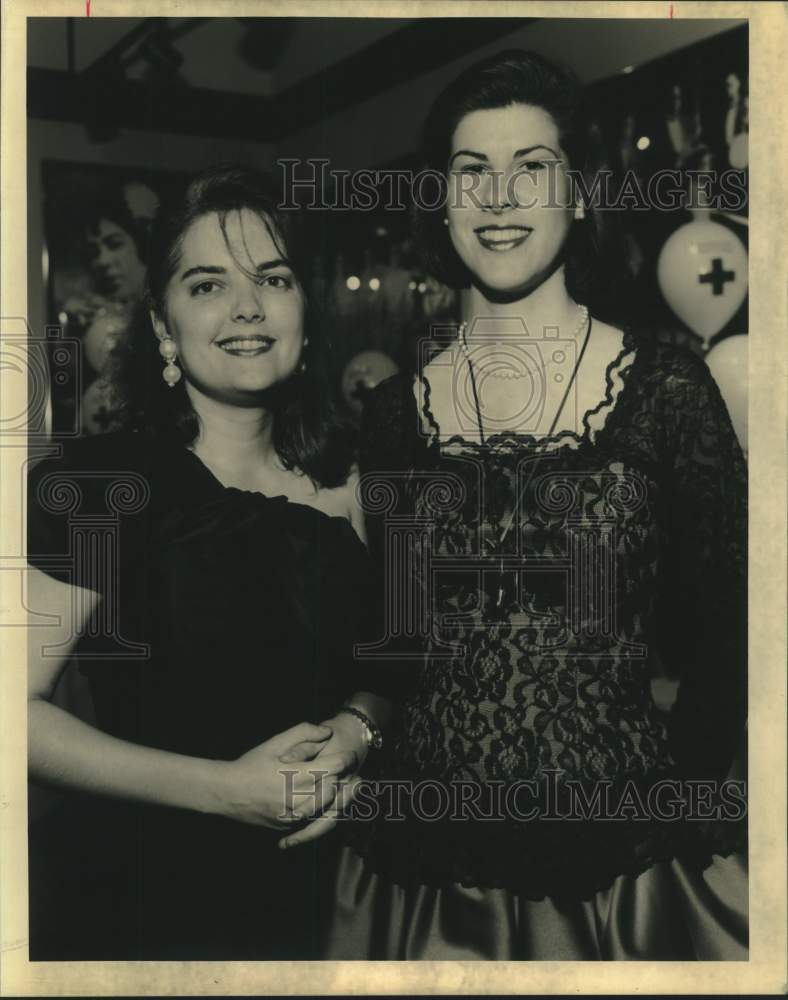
347,735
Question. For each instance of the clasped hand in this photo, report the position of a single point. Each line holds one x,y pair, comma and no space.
346,742
295,775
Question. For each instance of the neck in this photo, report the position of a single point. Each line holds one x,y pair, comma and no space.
232,437
548,305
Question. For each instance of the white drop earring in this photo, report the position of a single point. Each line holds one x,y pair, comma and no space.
580,210
167,349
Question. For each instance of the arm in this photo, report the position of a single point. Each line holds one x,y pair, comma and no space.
65,751
348,731
706,605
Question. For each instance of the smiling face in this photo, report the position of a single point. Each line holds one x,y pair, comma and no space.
234,309
509,207
114,260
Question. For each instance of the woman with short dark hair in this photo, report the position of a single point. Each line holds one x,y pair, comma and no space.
591,255
114,243
577,503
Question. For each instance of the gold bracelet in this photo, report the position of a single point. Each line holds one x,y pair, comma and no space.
372,733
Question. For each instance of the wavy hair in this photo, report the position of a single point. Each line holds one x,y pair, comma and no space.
592,254
309,432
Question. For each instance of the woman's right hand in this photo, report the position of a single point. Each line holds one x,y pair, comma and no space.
259,788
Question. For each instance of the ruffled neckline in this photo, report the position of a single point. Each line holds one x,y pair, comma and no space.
595,420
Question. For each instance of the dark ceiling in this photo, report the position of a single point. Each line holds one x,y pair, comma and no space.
139,82
289,81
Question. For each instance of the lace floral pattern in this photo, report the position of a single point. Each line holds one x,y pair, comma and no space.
526,692
627,538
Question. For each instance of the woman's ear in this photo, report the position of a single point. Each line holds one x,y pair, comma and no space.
159,327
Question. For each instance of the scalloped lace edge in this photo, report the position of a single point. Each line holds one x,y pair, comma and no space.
594,420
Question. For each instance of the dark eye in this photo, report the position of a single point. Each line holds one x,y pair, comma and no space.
471,168
203,288
532,165
277,281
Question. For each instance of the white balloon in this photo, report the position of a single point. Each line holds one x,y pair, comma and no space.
739,151
97,407
728,363
108,327
702,272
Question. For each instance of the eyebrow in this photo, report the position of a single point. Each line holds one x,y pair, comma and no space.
267,265
517,153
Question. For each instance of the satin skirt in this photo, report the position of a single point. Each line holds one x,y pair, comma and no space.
670,912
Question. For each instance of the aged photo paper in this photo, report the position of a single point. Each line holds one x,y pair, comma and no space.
23,429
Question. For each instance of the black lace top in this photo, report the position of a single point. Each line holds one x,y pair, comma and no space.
628,540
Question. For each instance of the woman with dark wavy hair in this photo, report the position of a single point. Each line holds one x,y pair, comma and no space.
577,501
590,256
215,615
307,432
113,244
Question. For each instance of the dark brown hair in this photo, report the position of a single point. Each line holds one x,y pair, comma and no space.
592,254
309,433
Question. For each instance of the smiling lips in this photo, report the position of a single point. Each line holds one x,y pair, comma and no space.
502,238
246,346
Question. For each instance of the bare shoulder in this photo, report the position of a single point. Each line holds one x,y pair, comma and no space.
436,390
442,364
351,503
606,341
605,347
341,501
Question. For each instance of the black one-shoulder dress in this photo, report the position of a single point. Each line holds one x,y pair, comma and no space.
227,617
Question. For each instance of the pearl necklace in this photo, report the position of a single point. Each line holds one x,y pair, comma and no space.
509,372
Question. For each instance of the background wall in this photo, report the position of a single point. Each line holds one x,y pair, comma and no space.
385,128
